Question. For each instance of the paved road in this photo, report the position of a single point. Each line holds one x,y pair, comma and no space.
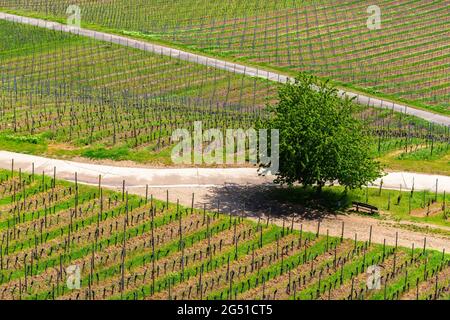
220,64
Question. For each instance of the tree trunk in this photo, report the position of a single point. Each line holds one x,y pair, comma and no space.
319,188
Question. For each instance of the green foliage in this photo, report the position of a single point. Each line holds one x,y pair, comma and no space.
320,140
26,138
430,153
31,144
116,153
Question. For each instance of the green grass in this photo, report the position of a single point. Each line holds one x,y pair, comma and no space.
395,205
423,160
430,153
23,144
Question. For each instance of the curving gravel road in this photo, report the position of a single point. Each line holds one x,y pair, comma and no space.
113,176
217,63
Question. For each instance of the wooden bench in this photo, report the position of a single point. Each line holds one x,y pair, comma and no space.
364,207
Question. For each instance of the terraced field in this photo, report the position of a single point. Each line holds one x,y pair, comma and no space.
407,59
128,247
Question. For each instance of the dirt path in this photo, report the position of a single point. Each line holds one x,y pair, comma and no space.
187,178
217,63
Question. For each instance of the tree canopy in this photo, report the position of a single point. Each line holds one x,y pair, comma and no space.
320,139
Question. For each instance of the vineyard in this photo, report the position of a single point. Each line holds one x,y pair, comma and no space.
129,247
74,90
407,59
113,109
67,96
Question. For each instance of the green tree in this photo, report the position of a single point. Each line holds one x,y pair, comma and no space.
320,139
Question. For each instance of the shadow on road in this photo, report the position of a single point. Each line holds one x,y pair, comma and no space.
263,200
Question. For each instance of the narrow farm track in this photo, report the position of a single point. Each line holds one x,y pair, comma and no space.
135,177
205,182
217,63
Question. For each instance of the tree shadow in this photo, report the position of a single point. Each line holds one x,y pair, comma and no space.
276,201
